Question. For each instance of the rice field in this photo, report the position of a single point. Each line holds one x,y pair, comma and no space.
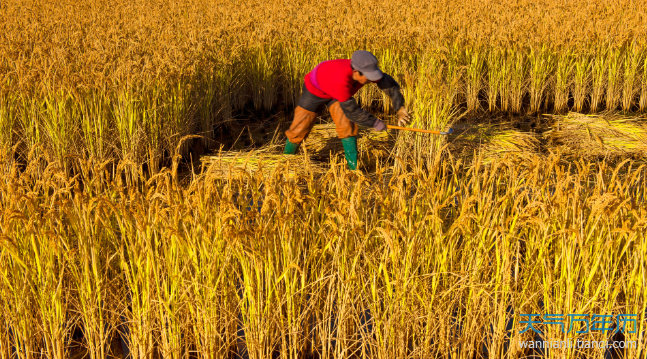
147,212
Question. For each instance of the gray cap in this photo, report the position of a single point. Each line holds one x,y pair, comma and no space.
366,63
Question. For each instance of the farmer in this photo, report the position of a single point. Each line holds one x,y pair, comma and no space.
333,83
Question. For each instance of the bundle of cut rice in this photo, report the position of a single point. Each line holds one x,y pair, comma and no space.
600,135
492,140
323,141
266,159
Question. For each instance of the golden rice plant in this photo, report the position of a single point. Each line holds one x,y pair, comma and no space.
263,74
170,294
24,336
431,109
392,63
224,97
422,258
29,128
8,104
518,80
475,59
59,117
497,68
614,83
600,64
175,122
37,277
454,71
127,112
137,264
566,63
296,62
210,285
581,80
207,101
541,63
630,89
258,303
95,122
643,87
91,268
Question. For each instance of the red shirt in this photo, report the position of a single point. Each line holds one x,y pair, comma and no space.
335,79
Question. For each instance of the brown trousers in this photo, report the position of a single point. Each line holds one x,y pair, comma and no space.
304,120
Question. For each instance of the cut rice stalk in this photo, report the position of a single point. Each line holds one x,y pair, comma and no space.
601,135
267,159
323,141
493,141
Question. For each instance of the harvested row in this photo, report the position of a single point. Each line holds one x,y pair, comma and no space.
607,135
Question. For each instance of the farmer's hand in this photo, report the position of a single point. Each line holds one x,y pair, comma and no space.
379,125
403,117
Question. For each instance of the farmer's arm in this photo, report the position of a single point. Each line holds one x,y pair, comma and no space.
354,113
391,88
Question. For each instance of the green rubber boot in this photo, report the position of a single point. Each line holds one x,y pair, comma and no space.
350,151
290,148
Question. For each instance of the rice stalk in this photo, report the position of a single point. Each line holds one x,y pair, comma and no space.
391,63
630,88
581,80
90,270
541,63
614,84
243,73
224,97
127,112
59,117
432,109
210,296
95,124
258,301
518,80
291,287
173,123
599,77
170,293
8,106
44,265
24,337
454,72
497,74
207,93
643,87
262,76
29,126
474,77
296,63
137,265
566,63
